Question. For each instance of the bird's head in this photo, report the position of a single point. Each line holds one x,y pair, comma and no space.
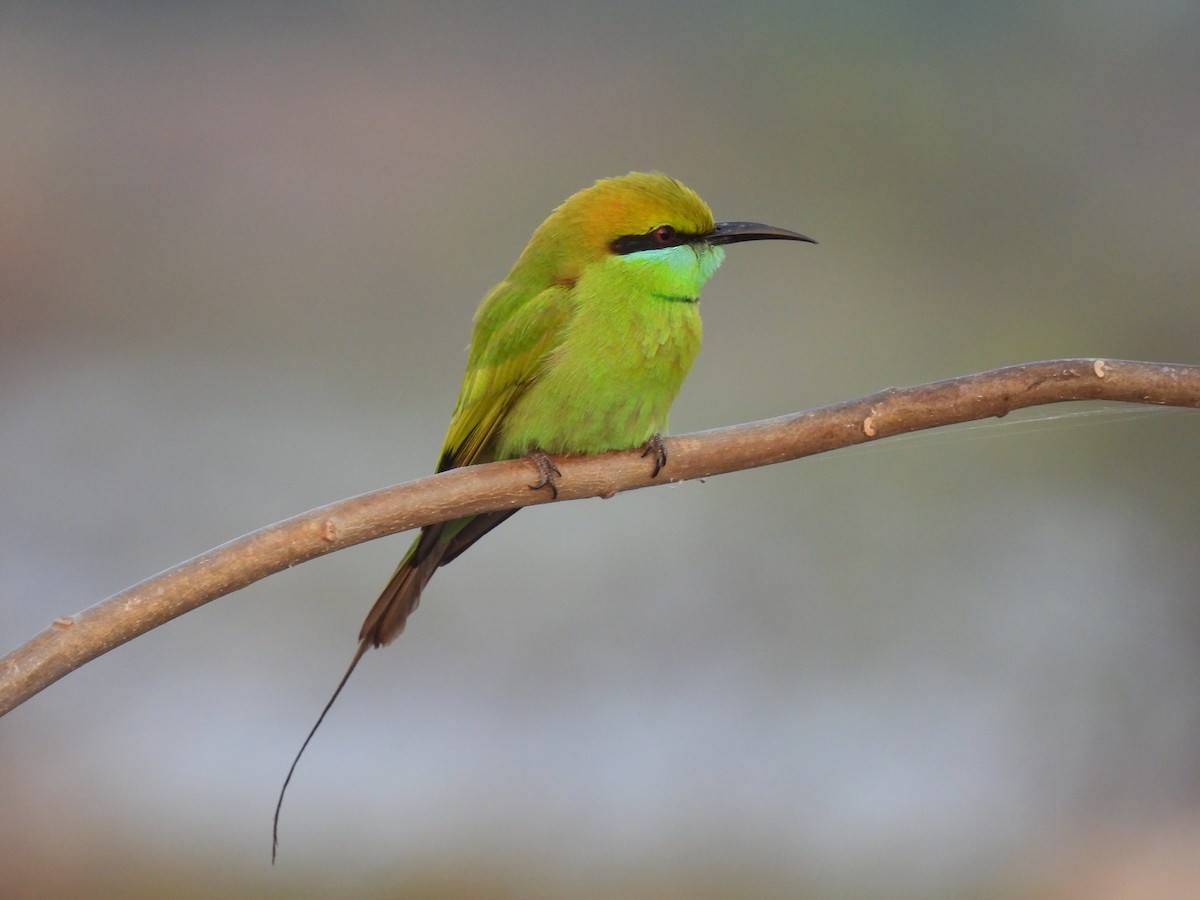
645,219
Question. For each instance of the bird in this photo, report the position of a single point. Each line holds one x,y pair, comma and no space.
581,349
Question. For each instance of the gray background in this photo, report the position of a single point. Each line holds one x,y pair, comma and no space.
239,254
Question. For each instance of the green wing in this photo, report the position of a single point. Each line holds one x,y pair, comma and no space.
514,335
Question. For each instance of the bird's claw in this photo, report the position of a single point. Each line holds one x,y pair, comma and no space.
547,473
655,445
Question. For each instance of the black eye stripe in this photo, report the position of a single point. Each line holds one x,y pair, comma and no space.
655,239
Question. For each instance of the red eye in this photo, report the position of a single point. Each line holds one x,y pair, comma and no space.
664,235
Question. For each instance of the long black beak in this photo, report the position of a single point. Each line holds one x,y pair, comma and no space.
735,232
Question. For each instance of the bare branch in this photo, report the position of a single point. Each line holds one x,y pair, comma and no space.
72,641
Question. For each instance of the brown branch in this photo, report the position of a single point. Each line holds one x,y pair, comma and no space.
73,640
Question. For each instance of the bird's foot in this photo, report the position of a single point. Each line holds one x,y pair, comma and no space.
655,445
547,473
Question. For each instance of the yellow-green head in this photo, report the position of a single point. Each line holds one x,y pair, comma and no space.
645,218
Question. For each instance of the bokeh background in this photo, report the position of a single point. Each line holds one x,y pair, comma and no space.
240,249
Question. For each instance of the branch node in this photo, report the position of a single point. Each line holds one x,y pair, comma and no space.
331,531
1100,367
64,621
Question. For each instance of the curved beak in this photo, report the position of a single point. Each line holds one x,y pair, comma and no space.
735,232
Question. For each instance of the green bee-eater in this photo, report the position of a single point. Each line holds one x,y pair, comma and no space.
580,349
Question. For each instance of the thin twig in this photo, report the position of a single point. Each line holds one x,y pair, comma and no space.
72,641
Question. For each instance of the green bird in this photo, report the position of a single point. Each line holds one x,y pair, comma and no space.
581,349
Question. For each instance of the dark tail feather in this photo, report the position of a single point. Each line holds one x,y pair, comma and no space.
358,654
385,622
471,532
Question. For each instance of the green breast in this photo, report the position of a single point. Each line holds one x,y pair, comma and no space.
611,383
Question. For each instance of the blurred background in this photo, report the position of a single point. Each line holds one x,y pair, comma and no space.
240,250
